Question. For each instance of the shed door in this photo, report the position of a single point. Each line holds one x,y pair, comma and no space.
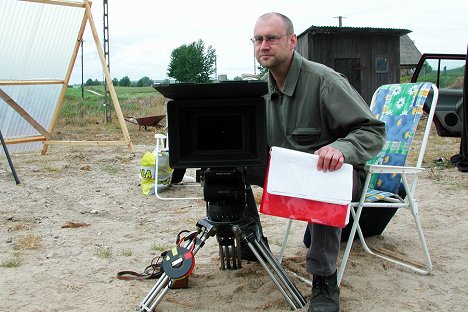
351,68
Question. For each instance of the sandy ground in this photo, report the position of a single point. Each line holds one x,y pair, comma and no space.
48,267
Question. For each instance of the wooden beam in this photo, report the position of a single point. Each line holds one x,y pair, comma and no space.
24,114
57,142
25,140
29,82
110,86
58,2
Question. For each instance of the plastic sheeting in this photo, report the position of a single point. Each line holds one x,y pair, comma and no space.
36,43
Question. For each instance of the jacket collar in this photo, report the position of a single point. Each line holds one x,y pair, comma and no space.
291,78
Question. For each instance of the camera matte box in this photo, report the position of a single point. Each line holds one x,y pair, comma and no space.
222,125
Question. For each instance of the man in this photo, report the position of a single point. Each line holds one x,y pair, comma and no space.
313,109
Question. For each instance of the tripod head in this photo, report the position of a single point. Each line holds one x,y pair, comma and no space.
224,191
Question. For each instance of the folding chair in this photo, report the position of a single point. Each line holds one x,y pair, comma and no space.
400,106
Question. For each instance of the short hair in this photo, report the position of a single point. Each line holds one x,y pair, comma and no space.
287,22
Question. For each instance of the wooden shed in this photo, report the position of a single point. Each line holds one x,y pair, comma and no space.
368,57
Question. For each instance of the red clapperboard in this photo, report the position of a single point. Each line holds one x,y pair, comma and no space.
295,189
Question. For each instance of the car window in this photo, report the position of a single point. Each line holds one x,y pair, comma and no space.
448,75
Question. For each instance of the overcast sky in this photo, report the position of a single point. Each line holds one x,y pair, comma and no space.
143,33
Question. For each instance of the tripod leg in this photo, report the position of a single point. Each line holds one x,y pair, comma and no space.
10,162
155,295
281,279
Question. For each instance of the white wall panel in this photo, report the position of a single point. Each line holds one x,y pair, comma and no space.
36,42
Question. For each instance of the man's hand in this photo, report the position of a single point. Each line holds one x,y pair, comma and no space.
330,159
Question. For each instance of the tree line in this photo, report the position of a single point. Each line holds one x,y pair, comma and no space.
194,62
124,82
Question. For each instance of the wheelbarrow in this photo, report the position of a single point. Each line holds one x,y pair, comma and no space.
149,121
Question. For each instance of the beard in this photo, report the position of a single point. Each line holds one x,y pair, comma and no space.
272,61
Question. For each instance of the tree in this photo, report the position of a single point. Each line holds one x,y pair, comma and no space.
144,82
124,82
192,63
89,82
115,82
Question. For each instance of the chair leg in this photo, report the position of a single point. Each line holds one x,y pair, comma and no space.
356,215
285,241
413,207
415,268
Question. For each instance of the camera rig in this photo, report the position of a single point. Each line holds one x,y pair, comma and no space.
220,127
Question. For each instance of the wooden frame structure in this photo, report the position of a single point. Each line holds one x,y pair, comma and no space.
46,134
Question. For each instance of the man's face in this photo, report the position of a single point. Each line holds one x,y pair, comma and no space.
272,56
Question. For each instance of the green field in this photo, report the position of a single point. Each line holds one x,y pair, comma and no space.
134,101
87,114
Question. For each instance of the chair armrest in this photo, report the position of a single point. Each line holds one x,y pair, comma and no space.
392,169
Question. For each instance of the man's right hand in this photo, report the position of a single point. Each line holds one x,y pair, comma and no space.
330,158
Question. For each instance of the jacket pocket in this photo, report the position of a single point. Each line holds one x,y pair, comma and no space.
306,135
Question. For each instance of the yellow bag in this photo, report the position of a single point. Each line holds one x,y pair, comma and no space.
147,172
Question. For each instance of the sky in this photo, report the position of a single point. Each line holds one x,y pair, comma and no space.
143,33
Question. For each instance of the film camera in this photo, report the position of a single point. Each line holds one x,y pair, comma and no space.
221,128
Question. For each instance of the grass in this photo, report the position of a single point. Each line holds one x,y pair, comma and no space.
18,227
111,169
30,241
103,252
127,252
158,248
85,118
50,169
13,262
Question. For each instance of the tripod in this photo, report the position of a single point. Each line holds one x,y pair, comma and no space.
10,162
227,219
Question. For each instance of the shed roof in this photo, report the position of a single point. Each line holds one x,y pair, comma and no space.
409,53
356,30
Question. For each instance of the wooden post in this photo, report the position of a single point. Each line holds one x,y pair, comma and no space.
110,86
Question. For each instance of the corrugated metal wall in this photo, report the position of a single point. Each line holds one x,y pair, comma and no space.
36,42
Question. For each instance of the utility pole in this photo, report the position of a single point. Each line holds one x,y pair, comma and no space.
82,70
340,20
106,56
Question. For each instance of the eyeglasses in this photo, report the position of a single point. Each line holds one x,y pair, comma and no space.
269,39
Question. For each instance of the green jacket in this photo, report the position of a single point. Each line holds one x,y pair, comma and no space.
319,107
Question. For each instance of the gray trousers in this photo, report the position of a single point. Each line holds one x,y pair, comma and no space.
323,252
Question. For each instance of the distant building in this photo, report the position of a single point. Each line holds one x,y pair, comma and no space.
249,77
409,56
368,57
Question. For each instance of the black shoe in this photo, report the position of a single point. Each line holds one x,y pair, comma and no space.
247,253
325,294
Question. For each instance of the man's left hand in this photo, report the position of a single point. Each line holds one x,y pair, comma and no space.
330,158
